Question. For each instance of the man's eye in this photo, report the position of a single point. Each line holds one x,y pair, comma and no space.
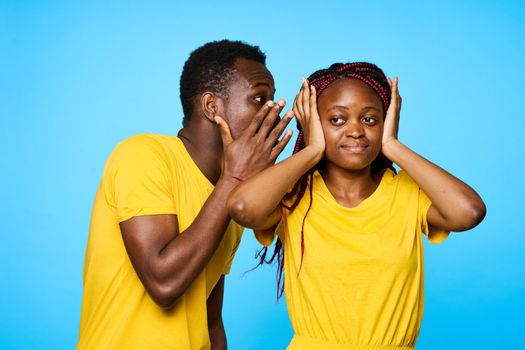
259,99
337,121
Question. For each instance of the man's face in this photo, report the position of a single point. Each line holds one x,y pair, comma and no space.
250,87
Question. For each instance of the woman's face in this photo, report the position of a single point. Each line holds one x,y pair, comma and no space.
352,118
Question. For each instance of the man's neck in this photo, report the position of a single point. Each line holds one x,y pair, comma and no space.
204,146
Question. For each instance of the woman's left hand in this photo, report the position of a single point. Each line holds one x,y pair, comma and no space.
392,115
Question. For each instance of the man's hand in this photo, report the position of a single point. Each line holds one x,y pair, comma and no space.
259,146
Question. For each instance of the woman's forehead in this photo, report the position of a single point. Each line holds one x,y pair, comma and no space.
349,90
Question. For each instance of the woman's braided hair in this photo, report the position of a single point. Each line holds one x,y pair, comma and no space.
374,77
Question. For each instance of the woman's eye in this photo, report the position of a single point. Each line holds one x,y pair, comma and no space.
337,121
369,120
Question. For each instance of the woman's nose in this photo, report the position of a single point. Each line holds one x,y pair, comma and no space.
354,129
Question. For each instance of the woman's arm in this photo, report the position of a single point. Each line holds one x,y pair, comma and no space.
255,202
455,205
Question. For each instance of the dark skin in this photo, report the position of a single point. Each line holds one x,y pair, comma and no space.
215,325
166,261
346,125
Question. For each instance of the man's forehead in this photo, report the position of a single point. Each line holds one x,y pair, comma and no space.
253,72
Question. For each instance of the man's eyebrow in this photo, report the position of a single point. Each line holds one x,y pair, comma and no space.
265,84
262,83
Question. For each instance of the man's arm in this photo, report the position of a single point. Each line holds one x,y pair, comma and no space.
167,261
215,325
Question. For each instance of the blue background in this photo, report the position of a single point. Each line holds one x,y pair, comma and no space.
76,78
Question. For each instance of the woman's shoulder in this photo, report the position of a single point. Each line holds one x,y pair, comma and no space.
401,182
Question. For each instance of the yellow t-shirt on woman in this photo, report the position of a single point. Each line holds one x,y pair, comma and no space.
361,281
146,175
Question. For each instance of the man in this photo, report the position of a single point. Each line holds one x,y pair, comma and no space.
161,240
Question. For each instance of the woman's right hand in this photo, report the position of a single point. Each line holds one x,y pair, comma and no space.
305,110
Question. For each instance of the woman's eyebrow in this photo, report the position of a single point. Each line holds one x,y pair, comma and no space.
367,108
337,107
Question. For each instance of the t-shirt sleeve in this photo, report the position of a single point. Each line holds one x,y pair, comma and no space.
238,233
266,237
138,179
229,262
434,235
228,265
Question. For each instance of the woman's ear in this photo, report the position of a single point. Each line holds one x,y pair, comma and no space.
212,106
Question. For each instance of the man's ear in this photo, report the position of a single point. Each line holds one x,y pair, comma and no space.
212,105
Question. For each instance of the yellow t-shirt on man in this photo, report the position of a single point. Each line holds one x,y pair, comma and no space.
360,286
146,175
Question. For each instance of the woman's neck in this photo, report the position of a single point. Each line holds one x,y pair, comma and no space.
349,187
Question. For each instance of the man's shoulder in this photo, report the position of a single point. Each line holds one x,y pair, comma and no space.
145,144
141,150
146,140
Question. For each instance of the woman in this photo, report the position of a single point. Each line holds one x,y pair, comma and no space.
350,227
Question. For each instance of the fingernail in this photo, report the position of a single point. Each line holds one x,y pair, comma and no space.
281,102
270,103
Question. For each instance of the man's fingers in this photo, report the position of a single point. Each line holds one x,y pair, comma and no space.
259,118
282,144
279,128
270,120
226,134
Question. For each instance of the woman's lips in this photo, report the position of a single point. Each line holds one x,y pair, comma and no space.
354,147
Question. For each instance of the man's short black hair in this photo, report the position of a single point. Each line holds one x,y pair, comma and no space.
210,67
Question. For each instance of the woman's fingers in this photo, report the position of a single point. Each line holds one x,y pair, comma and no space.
299,99
306,101
313,101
